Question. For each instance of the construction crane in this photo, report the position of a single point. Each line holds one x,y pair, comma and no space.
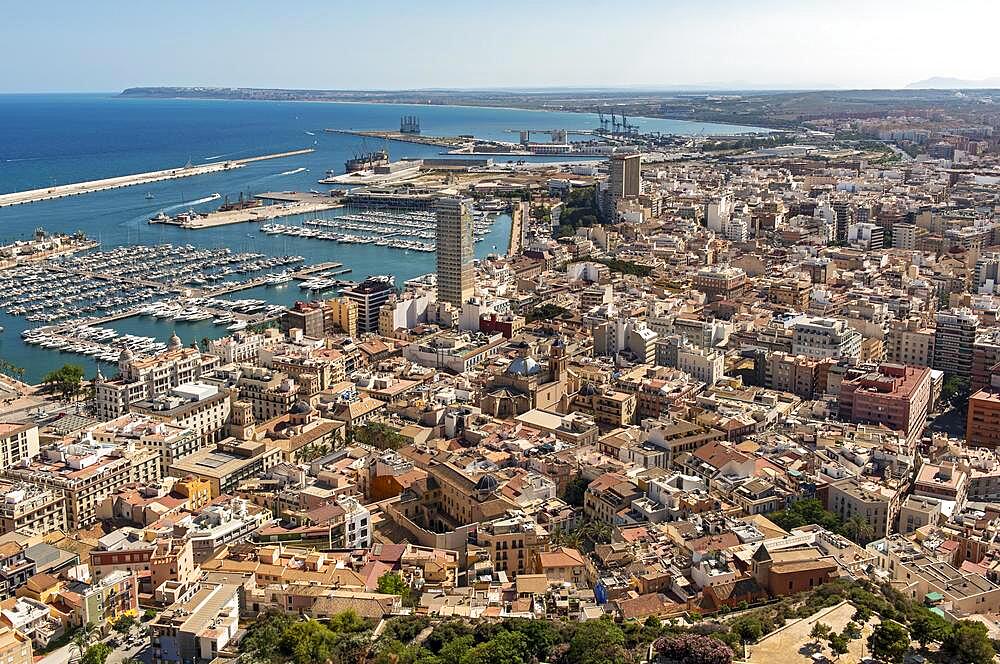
614,124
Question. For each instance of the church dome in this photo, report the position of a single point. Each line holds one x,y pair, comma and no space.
126,355
175,342
524,366
301,408
487,484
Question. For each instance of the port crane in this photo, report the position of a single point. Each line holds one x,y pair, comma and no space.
603,120
629,129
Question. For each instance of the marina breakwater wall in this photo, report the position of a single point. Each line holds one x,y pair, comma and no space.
78,188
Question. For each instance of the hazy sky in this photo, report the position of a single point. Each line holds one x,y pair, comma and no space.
107,45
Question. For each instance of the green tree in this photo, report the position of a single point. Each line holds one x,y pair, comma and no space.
575,490
392,651
504,648
928,627
66,380
955,390
803,513
626,267
124,623
838,643
264,637
819,631
862,615
748,628
889,642
96,654
968,643
392,583
452,651
546,312
380,436
348,622
308,641
596,642
857,529
447,632
82,639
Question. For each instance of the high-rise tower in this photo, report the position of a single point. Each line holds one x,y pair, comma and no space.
455,276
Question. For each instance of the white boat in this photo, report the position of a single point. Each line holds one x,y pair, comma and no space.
237,326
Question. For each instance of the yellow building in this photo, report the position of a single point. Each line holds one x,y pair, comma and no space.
197,491
342,313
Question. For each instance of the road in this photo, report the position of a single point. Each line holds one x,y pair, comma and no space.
66,654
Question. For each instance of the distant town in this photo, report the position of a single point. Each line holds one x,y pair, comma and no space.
717,398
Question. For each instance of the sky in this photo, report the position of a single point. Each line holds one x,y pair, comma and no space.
108,45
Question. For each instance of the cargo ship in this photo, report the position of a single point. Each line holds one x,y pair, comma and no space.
367,161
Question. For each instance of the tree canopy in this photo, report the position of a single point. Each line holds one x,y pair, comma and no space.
392,583
889,642
66,380
968,641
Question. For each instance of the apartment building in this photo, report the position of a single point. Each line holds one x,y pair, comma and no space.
821,338
954,337
894,395
789,373
270,393
30,509
703,364
513,542
197,630
877,504
18,443
140,379
169,440
720,282
910,342
86,472
982,428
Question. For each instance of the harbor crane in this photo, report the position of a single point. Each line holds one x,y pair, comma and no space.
603,120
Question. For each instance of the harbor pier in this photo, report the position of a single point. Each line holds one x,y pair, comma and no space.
78,188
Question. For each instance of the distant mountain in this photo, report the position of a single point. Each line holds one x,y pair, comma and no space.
946,83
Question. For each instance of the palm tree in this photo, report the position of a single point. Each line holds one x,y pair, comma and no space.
858,530
82,639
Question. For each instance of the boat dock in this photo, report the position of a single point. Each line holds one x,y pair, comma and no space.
440,141
299,275
78,188
264,213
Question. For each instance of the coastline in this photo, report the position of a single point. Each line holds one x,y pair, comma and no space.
747,129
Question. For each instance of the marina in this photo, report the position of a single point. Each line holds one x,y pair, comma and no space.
107,284
409,231
188,170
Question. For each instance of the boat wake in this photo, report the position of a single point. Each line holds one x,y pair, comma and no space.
217,156
292,172
198,201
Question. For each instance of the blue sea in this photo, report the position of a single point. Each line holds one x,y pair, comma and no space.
48,140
